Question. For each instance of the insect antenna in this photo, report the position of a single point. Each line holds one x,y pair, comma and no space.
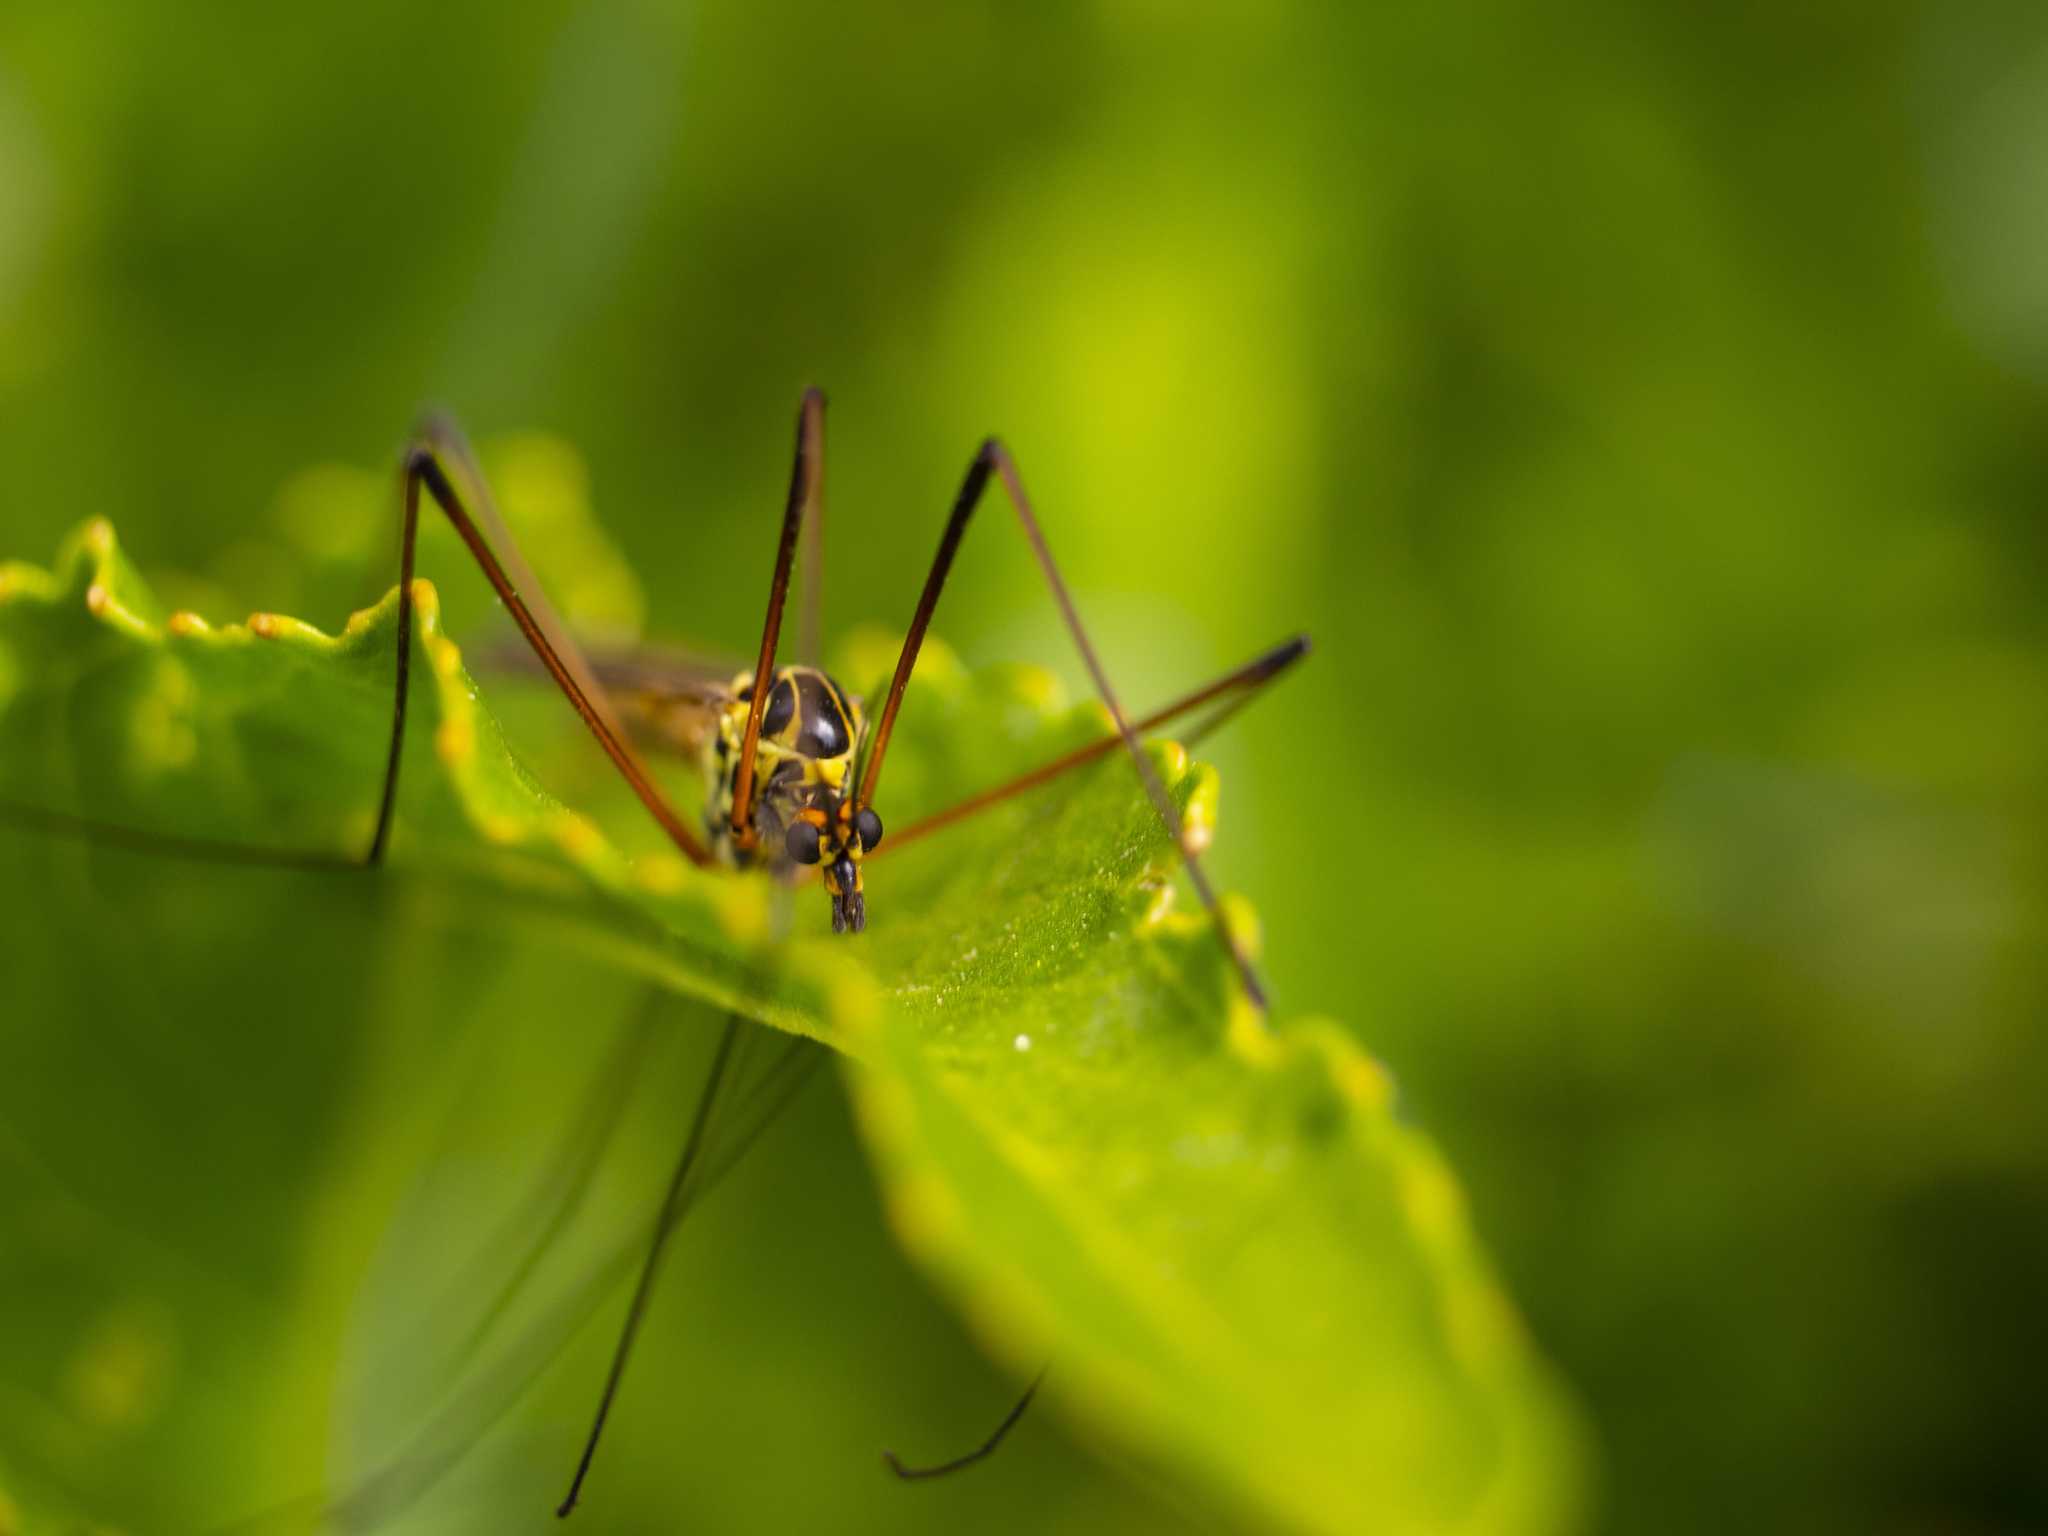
987,1448
994,459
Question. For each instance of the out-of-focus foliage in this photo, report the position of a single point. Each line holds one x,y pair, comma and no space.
1639,405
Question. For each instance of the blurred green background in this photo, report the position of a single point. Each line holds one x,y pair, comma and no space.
1641,407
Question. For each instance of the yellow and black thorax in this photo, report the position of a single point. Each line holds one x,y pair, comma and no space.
808,733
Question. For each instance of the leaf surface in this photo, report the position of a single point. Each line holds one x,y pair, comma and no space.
1249,1275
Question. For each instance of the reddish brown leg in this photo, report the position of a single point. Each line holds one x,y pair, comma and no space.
994,459
806,490
810,632
499,558
1237,688
562,661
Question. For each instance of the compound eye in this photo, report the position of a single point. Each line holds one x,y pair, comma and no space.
781,706
802,842
869,826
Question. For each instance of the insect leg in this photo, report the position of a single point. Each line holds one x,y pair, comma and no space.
987,1447
442,433
663,1225
810,633
1244,682
994,459
423,467
452,1431
806,478
497,553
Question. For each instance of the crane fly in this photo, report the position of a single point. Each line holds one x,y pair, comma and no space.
792,765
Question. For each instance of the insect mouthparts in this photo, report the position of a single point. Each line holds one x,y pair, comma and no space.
849,906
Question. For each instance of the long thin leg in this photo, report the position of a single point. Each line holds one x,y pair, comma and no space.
1245,682
994,459
438,438
452,1431
423,467
441,432
664,1224
805,487
811,621
981,1452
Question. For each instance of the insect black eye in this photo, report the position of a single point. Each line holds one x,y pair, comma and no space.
802,842
869,826
781,706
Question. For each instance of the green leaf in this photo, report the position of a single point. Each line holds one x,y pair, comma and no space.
1251,1277
272,735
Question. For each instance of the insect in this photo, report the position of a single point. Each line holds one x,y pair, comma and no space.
793,765
792,761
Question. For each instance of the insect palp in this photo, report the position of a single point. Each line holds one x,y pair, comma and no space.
849,905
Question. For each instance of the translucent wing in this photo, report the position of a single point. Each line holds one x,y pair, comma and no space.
667,699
